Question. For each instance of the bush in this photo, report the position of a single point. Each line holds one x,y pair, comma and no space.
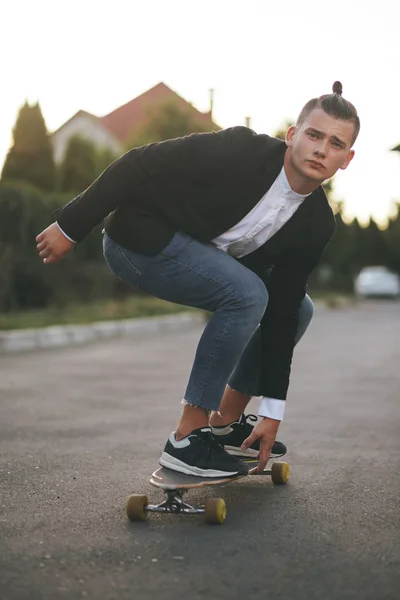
24,281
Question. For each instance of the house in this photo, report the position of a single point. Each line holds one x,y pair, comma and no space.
113,130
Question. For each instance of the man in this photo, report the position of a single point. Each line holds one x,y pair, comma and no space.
232,222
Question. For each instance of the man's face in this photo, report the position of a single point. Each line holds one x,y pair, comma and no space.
320,146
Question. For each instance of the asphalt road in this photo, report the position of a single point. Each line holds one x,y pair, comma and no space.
81,428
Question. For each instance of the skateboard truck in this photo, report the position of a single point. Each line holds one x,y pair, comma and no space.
137,507
175,504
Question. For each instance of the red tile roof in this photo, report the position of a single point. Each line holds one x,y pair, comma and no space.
133,115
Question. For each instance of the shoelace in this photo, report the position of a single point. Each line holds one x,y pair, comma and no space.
210,442
243,421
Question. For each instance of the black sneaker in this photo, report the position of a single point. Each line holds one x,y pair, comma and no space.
200,454
233,435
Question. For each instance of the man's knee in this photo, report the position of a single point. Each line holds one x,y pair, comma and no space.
306,309
255,296
305,315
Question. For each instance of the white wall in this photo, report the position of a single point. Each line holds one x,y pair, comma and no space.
88,128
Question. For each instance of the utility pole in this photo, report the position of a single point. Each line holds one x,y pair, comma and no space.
211,102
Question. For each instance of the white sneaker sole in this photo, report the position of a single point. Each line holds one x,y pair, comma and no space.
175,464
235,451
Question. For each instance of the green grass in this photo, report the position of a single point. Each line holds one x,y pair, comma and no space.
105,310
332,299
108,310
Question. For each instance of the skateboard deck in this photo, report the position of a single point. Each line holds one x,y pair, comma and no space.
166,479
175,484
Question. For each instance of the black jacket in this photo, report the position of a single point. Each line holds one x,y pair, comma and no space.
204,184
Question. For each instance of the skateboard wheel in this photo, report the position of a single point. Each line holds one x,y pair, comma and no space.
215,511
135,507
280,472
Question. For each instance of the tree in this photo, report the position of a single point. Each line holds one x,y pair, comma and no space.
30,157
104,158
168,121
392,240
280,133
79,168
375,250
339,254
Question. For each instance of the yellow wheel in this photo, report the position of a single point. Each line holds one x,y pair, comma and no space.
280,472
135,507
215,511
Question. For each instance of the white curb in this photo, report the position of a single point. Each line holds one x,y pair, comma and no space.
19,340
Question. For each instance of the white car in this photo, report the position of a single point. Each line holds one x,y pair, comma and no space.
377,281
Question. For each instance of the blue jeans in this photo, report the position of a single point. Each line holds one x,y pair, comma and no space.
191,273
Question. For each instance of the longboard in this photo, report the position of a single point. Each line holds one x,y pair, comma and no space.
174,484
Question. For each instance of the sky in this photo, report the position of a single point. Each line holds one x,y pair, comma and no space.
264,59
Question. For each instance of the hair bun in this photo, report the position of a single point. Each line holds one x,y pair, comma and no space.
337,88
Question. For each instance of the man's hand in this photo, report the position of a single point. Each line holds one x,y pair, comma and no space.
52,245
265,431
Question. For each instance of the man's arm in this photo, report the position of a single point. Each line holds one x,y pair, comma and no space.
286,287
193,159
